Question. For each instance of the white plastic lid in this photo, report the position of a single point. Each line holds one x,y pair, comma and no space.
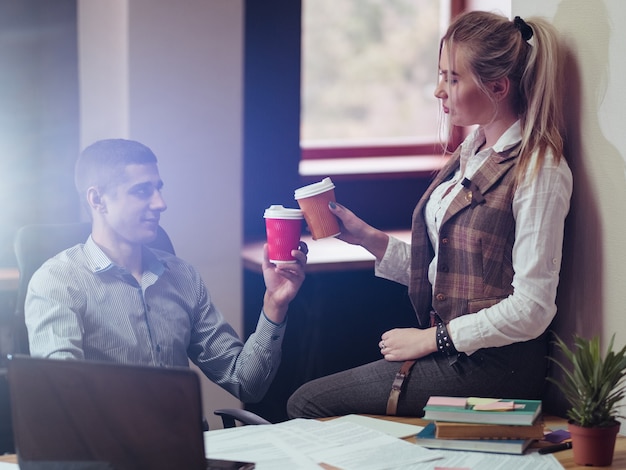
279,212
314,189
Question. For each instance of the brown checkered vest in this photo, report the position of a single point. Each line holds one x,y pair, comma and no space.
475,267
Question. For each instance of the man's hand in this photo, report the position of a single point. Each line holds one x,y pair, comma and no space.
282,282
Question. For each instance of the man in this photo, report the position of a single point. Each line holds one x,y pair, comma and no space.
113,299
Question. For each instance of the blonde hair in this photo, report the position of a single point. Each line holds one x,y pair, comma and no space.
528,54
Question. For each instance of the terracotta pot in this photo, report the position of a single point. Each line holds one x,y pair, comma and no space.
593,446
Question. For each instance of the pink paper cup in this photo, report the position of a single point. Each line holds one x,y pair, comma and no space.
313,200
283,227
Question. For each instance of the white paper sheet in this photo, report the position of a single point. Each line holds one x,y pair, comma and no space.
302,444
453,459
392,428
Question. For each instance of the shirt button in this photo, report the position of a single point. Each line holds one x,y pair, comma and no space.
440,297
445,268
445,241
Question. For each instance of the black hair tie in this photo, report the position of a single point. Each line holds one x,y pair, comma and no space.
522,26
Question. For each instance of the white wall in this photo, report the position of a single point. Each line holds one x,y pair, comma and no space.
592,294
103,69
497,6
169,74
596,40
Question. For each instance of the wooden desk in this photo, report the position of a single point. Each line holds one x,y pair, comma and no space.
8,458
325,255
565,458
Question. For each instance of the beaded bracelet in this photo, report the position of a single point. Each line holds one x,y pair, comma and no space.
445,344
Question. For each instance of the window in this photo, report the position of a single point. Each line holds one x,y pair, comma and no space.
369,70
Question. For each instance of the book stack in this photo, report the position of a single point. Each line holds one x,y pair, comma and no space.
481,424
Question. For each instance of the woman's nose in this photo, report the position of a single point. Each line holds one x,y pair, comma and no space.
440,90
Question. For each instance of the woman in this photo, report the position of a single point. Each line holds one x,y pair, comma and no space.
483,265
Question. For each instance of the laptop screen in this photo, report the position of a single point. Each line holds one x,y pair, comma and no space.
80,414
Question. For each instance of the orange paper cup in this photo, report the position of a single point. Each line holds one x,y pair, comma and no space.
313,200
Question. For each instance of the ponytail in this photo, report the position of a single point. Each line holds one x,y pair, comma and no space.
541,88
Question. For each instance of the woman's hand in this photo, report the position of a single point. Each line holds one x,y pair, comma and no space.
356,232
353,229
403,344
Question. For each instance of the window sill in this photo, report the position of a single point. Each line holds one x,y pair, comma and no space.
420,166
330,254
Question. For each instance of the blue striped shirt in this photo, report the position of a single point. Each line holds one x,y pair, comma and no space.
80,305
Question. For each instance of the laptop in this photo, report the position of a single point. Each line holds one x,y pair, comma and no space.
85,415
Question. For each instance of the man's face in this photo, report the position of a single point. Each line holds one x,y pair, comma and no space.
132,208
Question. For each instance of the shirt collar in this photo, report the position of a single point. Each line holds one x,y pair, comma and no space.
98,261
511,137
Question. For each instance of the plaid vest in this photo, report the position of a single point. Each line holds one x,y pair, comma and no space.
475,266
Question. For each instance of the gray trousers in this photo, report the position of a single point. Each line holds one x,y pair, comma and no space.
514,371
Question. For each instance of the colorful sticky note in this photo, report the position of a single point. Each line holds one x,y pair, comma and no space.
447,401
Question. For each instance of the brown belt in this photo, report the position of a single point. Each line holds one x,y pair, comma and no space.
401,376
396,387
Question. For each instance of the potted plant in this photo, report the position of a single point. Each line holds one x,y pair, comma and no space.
593,385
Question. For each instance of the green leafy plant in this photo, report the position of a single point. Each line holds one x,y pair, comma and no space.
592,384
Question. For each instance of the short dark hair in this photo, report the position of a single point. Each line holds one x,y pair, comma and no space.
102,163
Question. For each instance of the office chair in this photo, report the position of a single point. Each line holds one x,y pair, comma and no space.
230,417
34,244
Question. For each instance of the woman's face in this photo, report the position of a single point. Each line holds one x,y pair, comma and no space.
462,99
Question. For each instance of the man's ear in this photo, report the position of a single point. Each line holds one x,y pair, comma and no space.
95,200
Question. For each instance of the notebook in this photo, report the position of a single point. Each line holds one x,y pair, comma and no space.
86,415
